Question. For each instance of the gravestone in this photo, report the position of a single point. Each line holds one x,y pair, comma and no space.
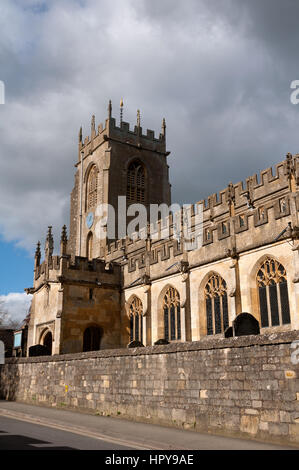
229,332
161,341
135,344
246,324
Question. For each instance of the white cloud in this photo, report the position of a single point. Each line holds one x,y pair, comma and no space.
17,305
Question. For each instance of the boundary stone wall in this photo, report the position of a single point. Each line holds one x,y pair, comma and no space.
242,386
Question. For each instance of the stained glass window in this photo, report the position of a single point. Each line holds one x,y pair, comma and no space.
216,305
172,315
273,294
136,320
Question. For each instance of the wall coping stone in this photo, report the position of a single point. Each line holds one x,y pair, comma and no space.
206,343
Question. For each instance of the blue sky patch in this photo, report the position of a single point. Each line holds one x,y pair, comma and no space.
16,268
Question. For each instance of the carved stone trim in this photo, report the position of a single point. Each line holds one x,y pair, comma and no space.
43,326
232,292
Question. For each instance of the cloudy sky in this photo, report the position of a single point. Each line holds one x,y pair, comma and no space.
218,71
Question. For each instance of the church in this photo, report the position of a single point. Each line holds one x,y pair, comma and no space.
144,288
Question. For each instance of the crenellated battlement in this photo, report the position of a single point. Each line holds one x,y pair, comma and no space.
259,186
56,266
122,133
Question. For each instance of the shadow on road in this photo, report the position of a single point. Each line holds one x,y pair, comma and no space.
18,442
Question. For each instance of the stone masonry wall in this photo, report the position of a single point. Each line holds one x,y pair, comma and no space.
246,386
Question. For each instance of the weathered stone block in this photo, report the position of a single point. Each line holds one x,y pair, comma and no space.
278,429
263,426
249,424
256,404
178,415
251,411
270,415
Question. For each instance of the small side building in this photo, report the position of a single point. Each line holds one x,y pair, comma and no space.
76,303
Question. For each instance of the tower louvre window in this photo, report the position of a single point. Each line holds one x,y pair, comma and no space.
216,305
273,294
92,188
136,183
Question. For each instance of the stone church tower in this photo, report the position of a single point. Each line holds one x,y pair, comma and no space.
115,161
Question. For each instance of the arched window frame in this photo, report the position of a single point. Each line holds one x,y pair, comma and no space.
44,338
136,183
136,320
92,188
273,296
172,315
216,304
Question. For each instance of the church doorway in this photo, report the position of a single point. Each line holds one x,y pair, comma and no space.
92,338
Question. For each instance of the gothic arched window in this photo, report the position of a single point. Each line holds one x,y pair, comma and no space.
136,183
92,188
136,320
216,305
172,315
273,293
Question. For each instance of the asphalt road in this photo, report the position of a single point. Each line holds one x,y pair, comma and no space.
21,435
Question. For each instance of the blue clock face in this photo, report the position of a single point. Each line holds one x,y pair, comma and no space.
89,220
